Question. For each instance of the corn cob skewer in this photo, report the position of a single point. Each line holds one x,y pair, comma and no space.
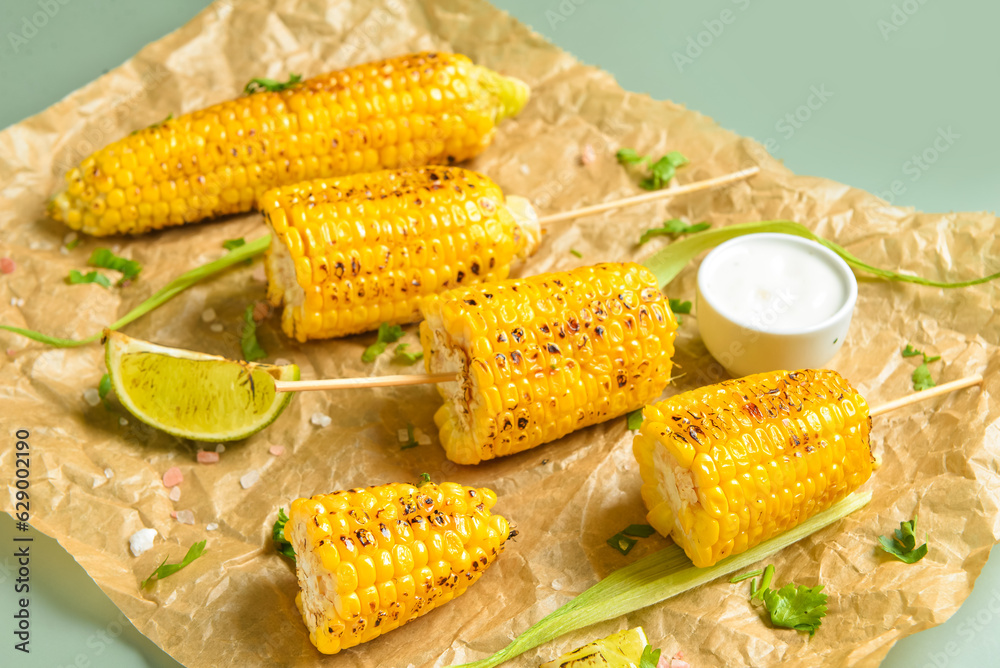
412,110
350,253
370,560
728,466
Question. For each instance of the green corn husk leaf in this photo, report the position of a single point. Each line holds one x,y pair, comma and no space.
654,579
669,262
160,297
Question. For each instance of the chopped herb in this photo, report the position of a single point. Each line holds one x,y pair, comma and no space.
105,259
248,339
753,589
386,334
424,479
411,442
278,536
635,419
650,657
622,543
910,351
575,253
166,570
745,576
922,374
799,608
405,357
659,172
836,339
765,581
75,278
231,244
673,228
271,85
103,388
678,307
73,244
903,544
639,530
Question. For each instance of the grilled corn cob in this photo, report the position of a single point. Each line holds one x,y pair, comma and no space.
543,356
419,109
352,252
726,467
370,560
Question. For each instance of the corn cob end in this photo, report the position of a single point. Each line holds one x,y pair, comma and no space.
508,94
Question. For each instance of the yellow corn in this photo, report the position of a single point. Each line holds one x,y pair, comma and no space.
727,466
419,109
543,356
350,253
370,560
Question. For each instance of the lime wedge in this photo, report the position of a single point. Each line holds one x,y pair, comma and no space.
619,650
194,395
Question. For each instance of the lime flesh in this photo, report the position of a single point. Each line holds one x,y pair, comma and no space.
619,650
193,395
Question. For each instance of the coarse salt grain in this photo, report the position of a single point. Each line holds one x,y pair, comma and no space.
207,457
249,479
141,541
173,514
587,155
185,517
259,274
208,315
123,422
172,477
403,435
175,494
320,419
70,238
92,396
7,265
421,437
277,450
211,526
525,169
220,448
15,301
217,327
109,474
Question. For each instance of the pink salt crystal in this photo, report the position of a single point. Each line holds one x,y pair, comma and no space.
173,513
587,155
277,450
207,457
172,477
175,494
7,266
185,517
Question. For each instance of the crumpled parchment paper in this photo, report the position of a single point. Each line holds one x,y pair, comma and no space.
235,605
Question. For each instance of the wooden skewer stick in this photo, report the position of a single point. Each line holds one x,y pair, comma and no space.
927,394
704,184
351,383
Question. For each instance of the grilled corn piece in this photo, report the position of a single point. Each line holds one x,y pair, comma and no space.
543,356
419,109
726,467
352,252
370,560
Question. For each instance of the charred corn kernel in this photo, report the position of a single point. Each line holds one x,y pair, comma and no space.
361,581
772,449
350,253
541,342
330,125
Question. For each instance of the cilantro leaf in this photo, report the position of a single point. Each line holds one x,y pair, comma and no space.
922,378
248,338
629,156
424,479
405,357
663,170
622,543
678,307
635,419
278,536
76,278
271,85
231,244
575,253
903,544
639,530
105,259
386,334
166,570
411,441
73,244
673,228
910,351
650,657
799,608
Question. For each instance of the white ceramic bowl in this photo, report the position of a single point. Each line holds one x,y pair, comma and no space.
774,301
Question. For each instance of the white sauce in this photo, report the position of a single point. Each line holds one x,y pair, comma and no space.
768,285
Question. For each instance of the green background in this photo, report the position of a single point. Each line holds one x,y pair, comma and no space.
885,79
